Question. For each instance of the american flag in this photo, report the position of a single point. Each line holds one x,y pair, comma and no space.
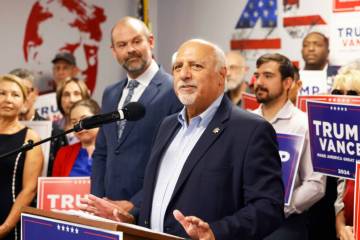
254,11
260,19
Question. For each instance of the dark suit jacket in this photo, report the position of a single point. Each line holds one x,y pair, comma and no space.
118,167
65,159
231,179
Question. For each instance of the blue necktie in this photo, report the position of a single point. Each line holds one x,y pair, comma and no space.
121,124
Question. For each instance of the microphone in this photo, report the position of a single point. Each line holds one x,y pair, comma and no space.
132,111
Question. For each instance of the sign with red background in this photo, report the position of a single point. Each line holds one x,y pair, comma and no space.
61,193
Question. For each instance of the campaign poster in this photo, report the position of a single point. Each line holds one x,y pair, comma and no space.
344,35
357,202
43,128
290,148
334,138
249,101
313,82
47,107
61,193
36,227
301,100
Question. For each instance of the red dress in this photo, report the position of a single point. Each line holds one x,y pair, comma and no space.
65,159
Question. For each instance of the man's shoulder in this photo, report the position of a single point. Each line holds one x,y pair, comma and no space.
299,116
170,119
163,78
115,86
245,123
239,114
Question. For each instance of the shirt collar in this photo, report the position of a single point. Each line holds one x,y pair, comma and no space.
145,78
205,117
284,113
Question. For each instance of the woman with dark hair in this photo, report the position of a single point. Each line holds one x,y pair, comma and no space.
76,159
18,172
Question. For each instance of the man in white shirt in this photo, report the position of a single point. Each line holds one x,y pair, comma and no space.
315,52
274,76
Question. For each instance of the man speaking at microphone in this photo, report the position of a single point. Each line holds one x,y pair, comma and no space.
123,148
214,163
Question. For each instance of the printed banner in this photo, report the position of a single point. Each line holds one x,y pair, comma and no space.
290,148
35,227
61,193
46,107
313,82
357,202
334,138
344,36
301,100
249,101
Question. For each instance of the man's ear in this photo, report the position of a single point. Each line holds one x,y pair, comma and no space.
151,41
287,83
299,83
223,74
113,51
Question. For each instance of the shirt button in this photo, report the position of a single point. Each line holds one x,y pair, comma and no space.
146,222
117,152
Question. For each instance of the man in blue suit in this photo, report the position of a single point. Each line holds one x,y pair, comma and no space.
212,160
123,148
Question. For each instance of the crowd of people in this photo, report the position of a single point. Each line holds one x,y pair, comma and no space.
197,165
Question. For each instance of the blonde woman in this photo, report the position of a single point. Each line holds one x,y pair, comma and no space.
347,82
18,172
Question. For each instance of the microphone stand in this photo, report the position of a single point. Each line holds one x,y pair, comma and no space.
30,144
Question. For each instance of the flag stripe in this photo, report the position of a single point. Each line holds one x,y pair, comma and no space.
249,44
345,6
303,21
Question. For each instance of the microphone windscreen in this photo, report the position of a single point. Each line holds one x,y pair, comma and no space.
134,111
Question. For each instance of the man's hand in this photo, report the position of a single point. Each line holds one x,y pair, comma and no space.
113,210
123,204
196,228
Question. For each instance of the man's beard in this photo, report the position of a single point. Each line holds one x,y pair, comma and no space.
186,99
232,84
137,68
268,97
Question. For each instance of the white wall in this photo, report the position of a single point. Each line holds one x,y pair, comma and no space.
178,21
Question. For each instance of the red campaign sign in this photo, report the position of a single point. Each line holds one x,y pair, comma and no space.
301,100
357,202
249,101
346,5
61,193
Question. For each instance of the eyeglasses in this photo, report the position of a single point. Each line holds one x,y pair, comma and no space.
343,92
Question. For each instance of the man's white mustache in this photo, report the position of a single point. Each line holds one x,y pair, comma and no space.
186,85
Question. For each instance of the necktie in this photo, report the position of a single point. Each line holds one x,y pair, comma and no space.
121,124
